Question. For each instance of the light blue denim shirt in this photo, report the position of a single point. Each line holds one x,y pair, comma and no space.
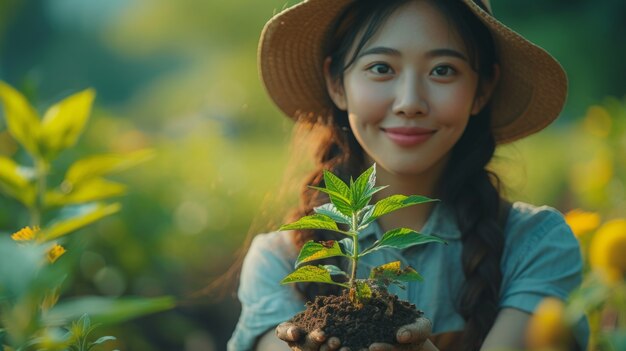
541,258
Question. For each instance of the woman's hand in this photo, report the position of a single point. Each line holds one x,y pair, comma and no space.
410,337
300,340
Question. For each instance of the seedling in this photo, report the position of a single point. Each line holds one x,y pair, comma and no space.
350,208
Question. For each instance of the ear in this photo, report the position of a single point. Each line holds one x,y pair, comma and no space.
334,87
483,96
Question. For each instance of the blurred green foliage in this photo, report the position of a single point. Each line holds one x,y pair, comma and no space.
31,281
180,77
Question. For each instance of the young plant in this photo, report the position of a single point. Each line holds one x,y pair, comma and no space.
350,207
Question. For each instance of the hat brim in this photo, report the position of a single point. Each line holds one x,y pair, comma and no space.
530,93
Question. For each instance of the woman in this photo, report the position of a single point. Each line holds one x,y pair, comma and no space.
425,89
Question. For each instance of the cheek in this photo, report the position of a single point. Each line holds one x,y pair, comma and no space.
367,102
454,105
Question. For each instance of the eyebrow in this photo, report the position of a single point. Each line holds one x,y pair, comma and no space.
432,53
447,52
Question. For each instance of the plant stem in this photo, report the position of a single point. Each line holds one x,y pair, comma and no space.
355,253
41,169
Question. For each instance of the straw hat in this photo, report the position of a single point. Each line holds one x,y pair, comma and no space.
530,94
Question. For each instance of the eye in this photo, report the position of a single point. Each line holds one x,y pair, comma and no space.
380,69
443,71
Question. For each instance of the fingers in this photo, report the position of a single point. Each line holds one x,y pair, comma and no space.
298,338
316,340
316,336
288,332
331,344
348,349
415,333
381,347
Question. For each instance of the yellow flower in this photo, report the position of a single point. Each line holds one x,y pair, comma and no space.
547,329
582,222
30,234
25,234
607,251
55,252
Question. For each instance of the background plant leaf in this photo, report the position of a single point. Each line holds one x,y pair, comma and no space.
19,266
102,340
14,183
99,165
21,118
68,225
87,191
105,310
315,221
64,122
401,238
312,251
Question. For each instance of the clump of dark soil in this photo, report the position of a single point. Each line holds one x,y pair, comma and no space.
358,327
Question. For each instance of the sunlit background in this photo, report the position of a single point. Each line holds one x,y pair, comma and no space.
180,77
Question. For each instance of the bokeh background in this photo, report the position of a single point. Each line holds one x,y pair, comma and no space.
180,77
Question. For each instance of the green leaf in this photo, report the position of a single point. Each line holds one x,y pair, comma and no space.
616,339
19,267
316,221
21,118
338,192
64,122
364,216
363,291
317,274
402,238
66,226
396,202
360,188
347,246
331,211
341,202
106,310
312,251
103,340
84,322
99,165
335,184
374,190
86,191
393,271
14,183
334,270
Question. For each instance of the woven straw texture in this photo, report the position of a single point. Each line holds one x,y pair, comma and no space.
530,93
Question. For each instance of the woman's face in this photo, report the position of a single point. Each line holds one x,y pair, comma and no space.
411,91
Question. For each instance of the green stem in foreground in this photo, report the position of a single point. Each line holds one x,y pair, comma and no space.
355,250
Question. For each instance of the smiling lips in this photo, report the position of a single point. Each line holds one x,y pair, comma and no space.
408,136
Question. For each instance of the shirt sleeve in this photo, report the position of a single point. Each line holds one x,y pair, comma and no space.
265,303
541,258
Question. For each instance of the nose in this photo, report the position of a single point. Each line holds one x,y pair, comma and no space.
410,98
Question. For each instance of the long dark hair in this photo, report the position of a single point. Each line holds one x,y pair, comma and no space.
466,185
